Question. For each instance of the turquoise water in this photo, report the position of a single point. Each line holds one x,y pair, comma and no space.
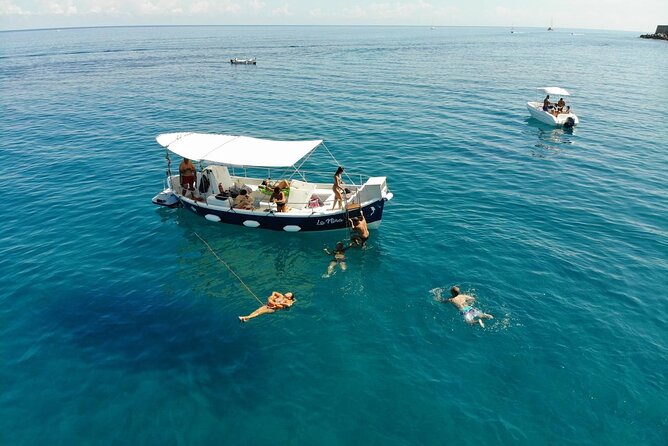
118,326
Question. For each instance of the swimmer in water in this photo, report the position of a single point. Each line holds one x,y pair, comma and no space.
276,301
339,258
464,302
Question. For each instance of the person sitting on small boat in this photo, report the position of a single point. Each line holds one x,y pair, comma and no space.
339,258
546,103
187,175
276,301
243,200
360,226
278,197
561,104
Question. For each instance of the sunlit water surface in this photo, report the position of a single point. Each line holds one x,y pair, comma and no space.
118,326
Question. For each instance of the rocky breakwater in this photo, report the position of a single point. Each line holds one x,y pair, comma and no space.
660,34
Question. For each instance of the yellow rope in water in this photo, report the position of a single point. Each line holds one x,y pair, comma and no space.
228,267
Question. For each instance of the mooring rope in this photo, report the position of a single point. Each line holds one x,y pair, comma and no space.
228,267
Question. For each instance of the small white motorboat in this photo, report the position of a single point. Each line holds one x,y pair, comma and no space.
237,61
553,115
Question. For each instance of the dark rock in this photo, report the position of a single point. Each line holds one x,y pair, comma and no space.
659,36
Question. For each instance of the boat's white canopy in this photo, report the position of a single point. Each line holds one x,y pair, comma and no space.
556,91
237,150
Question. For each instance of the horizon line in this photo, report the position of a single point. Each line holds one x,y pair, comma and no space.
324,26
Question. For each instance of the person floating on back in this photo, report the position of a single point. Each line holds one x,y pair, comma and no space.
276,301
464,302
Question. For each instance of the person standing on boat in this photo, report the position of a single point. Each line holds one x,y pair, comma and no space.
338,188
278,197
464,302
276,301
187,175
546,103
360,226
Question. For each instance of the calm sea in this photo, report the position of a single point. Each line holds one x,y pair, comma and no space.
118,326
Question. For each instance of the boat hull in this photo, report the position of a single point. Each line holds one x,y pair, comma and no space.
536,112
316,221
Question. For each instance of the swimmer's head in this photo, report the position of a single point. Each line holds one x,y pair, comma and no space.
454,291
356,221
339,245
289,295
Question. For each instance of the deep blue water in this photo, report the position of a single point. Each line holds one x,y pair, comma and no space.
118,326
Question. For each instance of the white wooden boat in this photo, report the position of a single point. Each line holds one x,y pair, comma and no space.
552,115
227,162
237,61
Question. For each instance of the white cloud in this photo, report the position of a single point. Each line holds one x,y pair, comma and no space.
408,12
610,14
61,8
9,8
256,5
149,8
282,11
205,7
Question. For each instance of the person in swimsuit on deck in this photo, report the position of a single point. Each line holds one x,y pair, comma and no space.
275,302
278,197
338,188
339,258
546,103
187,175
360,226
243,200
464,302
561,104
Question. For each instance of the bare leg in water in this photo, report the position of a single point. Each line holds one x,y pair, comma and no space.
262,310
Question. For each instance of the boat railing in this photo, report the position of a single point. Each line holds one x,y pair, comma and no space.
311,176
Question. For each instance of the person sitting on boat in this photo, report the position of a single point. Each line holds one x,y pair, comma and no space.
187,175
243,200
339,258
464,302
283,184
276,301
360,226
561,104
338,188
546,103
278,197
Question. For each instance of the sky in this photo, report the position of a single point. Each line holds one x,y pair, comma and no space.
636,15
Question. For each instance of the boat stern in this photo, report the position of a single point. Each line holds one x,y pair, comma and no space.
375,189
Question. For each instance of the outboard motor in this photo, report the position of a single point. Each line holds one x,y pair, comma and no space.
570,122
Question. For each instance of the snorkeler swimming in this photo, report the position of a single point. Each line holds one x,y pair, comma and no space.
463,303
